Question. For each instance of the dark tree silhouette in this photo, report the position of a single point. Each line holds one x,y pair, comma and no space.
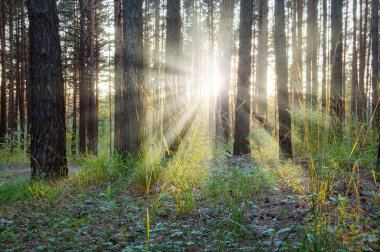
133,117
262,58
82,85
222,117
242,119
3,95
375,59
46,105
118,73
336,101
285,122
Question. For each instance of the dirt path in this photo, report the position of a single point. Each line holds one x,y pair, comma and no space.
17,171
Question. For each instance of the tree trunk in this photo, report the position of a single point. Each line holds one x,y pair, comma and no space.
242,119
311,54
23,74
173,49
375,60
354,78
133,129
262,58
119,113
3,118
92,136
82,85
225,46
285,121
12,120
336,102
46,105
362,99
299,50
293,77
324,56
157,96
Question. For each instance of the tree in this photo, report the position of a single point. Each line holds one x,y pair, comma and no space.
354,71
225,47
133,117
46,105
3,95
362,98
299,51
172,61
262,58
242,119
285,122
312,53
324,54
82,84
92,116
118,73
12,112
336,101
375,59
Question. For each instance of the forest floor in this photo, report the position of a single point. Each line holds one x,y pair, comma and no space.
238,205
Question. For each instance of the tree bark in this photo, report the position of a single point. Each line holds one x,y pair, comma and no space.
375,60
262,58
12,120
324,54
46,105
82,85
336,101
354,71
285,121
92,132
3,116
133,131
312,53
243,113
157,96
225,46
173,50
23,74
119,113
362,98
300,51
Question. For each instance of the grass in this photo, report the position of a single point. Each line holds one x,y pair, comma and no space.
203,199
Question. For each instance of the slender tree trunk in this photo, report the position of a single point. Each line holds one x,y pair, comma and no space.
293,78
375,60
92,136
362,99
225,46
336,102
3,118
157,96
82,85
173,48
75,102
133,132
46,106
23,74
324,56
243,113
285,121
119,113
12,121
311,54
262,58
300,51
354,71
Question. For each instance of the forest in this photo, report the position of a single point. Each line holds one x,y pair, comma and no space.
189,125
